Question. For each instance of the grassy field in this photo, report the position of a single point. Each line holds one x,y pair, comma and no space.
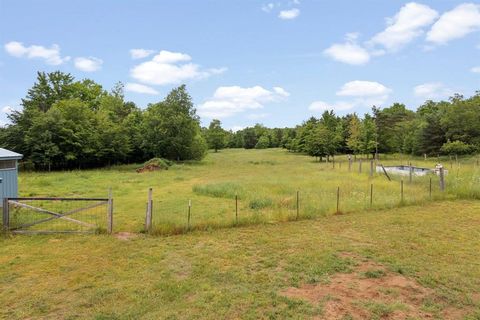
266,182
242,272
266,269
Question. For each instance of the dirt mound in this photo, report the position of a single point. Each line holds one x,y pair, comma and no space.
370,292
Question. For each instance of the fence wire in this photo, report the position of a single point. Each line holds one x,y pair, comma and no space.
56,216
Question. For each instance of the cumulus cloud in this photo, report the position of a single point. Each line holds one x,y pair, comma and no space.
227,101
405,26
475,69
49,55
140,53
88,64
455,24
359,94
432,91
289,14
140,88
349,52
359,88
170,68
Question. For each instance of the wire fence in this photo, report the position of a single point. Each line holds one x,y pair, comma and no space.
55,215
341,187
221,205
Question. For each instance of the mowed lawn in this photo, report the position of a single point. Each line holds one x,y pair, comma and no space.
265,181
241,272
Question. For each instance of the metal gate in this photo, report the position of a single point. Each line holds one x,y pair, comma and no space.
57,215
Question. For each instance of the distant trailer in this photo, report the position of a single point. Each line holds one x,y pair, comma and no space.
8,174
405,170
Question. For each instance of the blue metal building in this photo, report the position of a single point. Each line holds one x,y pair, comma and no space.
8,174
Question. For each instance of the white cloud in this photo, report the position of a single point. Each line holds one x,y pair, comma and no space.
50,55
280,91
455,24
320,106
349,52
289,14
170,68
89,64
7,109
140,53
475,69
432,90
405,26
361,94
268,7
140,88
227,101
360,88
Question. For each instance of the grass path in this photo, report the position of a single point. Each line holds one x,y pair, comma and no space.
240,272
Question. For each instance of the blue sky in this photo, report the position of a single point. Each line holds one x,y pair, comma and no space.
274,62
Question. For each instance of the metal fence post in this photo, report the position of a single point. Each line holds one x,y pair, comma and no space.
189,213
6,215
110,212
338,199
371,195
236,209
298,205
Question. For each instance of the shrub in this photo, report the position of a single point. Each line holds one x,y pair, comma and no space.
456,147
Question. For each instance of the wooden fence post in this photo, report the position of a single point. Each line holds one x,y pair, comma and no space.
148,220
6,215
350,164
430,188
298,205
110,212
401,191
410,173
442,178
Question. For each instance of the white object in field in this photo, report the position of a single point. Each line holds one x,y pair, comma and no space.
405,170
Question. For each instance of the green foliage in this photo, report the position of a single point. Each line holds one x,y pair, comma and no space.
216,135
456,147
263,142
76,124
159,162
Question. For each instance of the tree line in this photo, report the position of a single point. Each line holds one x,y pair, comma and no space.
67,123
